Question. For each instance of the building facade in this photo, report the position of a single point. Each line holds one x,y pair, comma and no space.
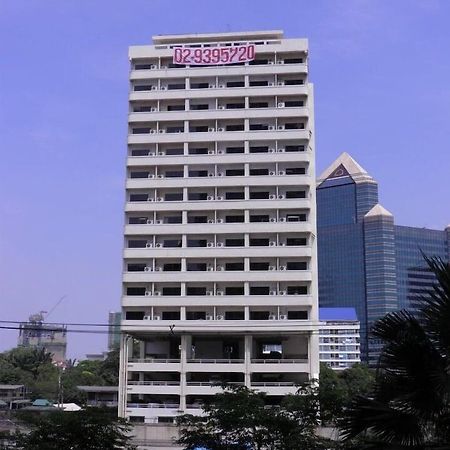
220,266
366,261
36,333
114,319
339,338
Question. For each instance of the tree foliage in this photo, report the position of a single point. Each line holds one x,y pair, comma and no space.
410,404
240,419
90,429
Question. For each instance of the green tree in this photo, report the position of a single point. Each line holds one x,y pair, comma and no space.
239,419
333,394
29,359
91,429
410,404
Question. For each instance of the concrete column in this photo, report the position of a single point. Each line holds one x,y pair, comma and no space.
248,354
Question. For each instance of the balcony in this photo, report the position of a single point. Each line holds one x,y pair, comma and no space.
154,387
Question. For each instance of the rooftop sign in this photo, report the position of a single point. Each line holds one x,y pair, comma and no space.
206,56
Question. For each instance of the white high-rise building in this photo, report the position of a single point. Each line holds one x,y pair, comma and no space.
220,260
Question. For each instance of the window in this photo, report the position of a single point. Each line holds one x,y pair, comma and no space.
174,151
259,172
199,107
259,290
142,66
297,290
296,265
140,152
173,174
235,84
172,267
134,315
136,267
142,87
296,241
143,108
170,315
259,105
294,126
259,83
234,172
138,197
234,290
137,243
294,148
234,242
196,290
175,107
173,197
173,86
259,266
260,149
295,194
137,220
235,105
293,82
143,130
139,175
293,103
297,315
197,219
234,266
197,242
196,267
295,217
235,149
259,315
172,243
136,291
234,219
197,196
259,195
259,242
198,151
234,195
199,85
199,129
295,171
173,219
234,315
195,315
259,217
259,126
198,173
293,61
171,291
235,127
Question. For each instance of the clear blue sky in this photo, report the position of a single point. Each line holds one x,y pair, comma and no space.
381,70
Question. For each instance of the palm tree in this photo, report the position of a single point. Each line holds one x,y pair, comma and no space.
410,404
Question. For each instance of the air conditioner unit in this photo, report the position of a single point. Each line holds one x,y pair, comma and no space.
271,128
283,244
272,317
280,83
159,199
149,221
270,61
281,197
221,107
163,66
148,245
219,220
147,269
271,83
212,86
151,153
162,130
281,150
220,244
273,292
272,197
210,268
147,318
281,127
220,129
272,268
271,173
211,129
160,175
153,66
156,317
209,317
221,86
281,172
152,131
153,109
282,219
159,222
283,293
158,245
272,219
161,153
150,199
283,317
219,197
220,152
210,152
164,88
220,317
154,88
209,292
271,150
157,292
210,244
219,293
220,268
148,293
158,269
210,220
220,174
281,61
283,267
210,197
151,175
210,174
272,243
281,105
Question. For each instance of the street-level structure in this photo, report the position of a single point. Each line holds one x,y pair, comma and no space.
220,264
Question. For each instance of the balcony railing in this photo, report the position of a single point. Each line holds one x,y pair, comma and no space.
154,405
274,383
302,360
216,361
212,383
154,383
154,360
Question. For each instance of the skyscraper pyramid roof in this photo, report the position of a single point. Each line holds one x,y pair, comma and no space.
345,165
378,210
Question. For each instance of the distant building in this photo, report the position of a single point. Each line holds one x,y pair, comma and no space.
101,395
114,330
339,346
366,261
53,338
13,395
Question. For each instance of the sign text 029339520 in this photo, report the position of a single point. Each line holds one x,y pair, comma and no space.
205,56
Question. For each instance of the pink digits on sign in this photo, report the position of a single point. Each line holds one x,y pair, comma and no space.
198,55
177,56
241,52
186,54
225,55
251,52
233,53
215,58
206,55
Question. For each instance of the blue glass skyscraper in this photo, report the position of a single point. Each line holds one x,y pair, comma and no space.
365,260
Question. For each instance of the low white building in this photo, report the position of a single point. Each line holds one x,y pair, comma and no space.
339,339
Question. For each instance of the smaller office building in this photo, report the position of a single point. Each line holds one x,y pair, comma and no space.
339,345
